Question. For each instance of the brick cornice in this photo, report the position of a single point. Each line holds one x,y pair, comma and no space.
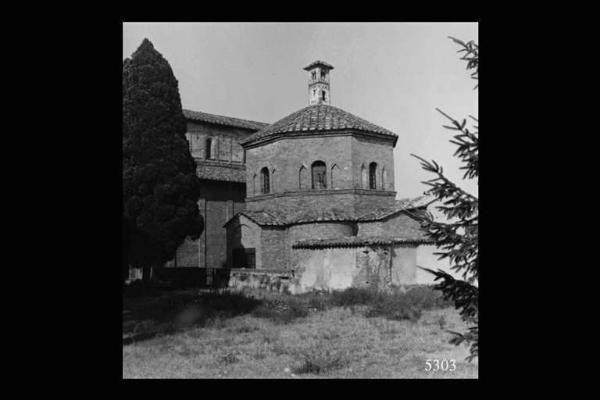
302,134
322,192
219,163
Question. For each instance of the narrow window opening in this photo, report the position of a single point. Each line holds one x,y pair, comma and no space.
319,175
372,175
208,148
265,180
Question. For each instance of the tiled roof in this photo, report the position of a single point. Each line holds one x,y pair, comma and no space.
222,120
317,63
263,218
358,241
273,218
401,205
220,172
318,117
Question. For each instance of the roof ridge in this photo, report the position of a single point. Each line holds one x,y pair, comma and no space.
223,119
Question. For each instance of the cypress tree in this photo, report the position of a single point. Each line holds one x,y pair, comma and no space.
160,187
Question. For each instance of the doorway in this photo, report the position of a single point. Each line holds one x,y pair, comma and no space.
244,258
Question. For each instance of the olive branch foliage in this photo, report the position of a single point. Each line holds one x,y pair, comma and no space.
457,239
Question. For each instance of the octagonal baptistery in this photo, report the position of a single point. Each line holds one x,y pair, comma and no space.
320,159
323,174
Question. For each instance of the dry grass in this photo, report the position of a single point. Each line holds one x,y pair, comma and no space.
328,342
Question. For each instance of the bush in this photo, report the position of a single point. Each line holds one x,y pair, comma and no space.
354,296
318,361
427,297
396,308
394,304
316,300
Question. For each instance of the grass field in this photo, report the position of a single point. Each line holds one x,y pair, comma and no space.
191,335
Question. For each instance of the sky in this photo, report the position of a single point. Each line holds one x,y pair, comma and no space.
391,74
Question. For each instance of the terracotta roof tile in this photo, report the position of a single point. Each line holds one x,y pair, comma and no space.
273,218
319,117
360,241
222,120
401,205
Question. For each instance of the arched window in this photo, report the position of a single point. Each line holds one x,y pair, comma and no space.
335,177
363,177
372,175
273,181
319,175
383,178
265,180
302,178
208,148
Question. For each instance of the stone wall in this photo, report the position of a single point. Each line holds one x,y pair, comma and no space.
274,281
343,267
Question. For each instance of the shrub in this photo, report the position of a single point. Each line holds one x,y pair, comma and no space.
395,308
317,361
354,296
296,308
427,297
317,301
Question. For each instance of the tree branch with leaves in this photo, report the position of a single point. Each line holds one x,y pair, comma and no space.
457,239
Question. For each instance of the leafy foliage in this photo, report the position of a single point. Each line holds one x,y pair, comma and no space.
160,187
457,239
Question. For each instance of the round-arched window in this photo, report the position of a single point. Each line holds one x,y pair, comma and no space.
265,180
372,175
319,175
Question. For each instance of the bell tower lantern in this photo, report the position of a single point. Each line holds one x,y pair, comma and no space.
318,82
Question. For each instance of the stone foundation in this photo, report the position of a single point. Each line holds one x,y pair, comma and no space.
281,281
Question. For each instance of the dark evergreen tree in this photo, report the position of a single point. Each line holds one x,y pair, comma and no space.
160,187
457,238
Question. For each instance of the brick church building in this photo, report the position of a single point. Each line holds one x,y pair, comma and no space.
214,142
309,199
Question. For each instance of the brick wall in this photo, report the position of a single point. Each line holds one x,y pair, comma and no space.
243,233
225,141
398,225
218,203
274,249
222,192
366,151
346,199
290,160
287,156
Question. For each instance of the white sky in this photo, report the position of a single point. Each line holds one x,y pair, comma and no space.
391,74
